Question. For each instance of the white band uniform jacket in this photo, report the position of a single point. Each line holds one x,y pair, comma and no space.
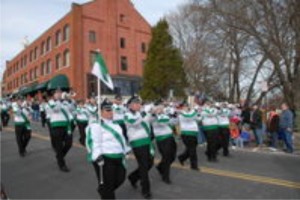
101,140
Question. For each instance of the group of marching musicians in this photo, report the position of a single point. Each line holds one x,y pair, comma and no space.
117,129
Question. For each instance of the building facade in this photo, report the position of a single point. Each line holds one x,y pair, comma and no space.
68,48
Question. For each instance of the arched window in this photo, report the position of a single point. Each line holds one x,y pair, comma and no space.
66,33
48,68
57,61
57,37
48,46
66,58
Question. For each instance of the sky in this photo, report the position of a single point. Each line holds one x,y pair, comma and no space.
30,18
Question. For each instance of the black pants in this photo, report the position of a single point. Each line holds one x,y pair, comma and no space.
43,118
145,162
124,130
223,140
113,176
50,134
212,143
190,142
23,136
4,118
62,142
81,128
167,149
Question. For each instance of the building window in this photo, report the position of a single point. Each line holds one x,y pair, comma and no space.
122,43
42,72
31,56
48,68
124,65
25,60
143,47
42,48
92,58
36,72
66,58
66,33
57,37
57,61
31,75
122,18
92,36
25,77
18,67
35,53
48,45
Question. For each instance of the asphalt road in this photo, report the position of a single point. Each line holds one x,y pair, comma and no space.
245,175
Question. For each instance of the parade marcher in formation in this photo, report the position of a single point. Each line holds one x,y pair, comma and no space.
4,113
92,109
82,118
119,111
165,142
106,150
22,125
48,111
188,122
138,133
60,129
210,126
43,111
224,133
70,107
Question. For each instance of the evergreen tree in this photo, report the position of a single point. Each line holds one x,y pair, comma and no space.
163,68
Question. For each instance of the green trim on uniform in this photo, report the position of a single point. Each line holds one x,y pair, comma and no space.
193,133
114,155
210,127
163,137
89,144
224,126
119,121
59,124
20,123
140,142
189,115
163,120
130,121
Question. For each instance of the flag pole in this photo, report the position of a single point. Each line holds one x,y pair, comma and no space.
99,113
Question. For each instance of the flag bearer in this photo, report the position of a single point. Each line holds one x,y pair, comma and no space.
60,129
138,133
22,126
106,150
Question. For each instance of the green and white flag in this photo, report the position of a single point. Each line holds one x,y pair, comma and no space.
100,70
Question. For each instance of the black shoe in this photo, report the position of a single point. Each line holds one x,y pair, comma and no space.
180,161
147,195
167,181
22,154
159,169
195,168
133,184
64,168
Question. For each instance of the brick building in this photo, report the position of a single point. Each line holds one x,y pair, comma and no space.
63,55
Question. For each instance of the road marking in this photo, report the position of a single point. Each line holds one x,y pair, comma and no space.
206,170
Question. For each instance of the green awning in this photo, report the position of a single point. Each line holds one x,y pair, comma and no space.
41,86
60,81
28,89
